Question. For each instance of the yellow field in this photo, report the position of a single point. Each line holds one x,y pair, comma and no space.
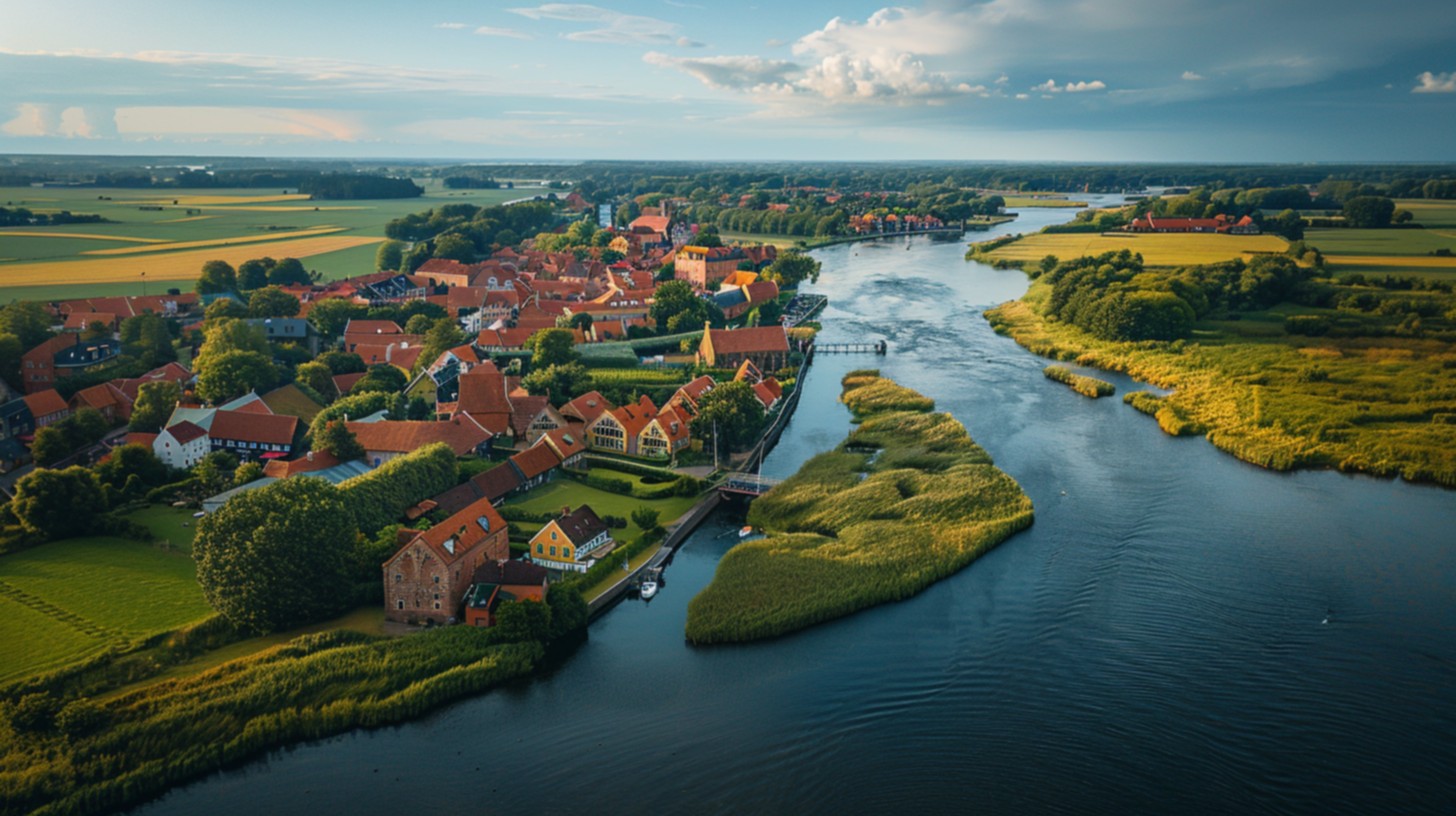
168,267
30,234
1168,249
210,242
1032,201
243,208
206,200
188,218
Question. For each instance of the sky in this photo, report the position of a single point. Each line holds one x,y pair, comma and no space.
1018,80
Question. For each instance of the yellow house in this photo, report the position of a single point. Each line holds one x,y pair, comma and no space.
572,542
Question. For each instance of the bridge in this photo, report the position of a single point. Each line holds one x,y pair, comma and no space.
875,347
747,484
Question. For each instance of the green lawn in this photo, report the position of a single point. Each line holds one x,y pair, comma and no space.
568,493
1334,242
67,600
1430,213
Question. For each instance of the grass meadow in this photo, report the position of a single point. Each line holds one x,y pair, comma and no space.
68,600
191,227
1181,249
906,500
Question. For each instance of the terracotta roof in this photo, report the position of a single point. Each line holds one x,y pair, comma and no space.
247,426
314,460
83,320
171,372
44,403
256,406
564,442
581,525
497,482
535,461
656,223
460,433
587,407
463,530
139,438
483,396
363,327
768,391
344,382
748,341
99,396
524,411
695,389
186,431
634,418
401,355
459,496
761,291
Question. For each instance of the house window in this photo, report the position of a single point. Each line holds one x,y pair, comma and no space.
553,550
399,604
540,548
398,577
437,579
553,535
437,604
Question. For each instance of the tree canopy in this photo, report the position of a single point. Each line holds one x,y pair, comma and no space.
278,556
58,503
734,411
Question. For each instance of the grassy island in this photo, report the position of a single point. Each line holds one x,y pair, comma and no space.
907,499
1084,385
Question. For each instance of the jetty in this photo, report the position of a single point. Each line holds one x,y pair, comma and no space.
874,347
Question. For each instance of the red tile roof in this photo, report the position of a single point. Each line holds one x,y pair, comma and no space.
749,341
344,382
314,460
247,426
171,372
460,433
186,431
564,442
463,530
44,403
367,327
535,461
587,407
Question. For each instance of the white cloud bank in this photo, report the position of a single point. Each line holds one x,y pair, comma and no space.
1435,83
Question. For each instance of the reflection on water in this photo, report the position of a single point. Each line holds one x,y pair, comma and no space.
1178,632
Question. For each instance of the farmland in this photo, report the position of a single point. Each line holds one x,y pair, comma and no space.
177,230
1182,249
68,600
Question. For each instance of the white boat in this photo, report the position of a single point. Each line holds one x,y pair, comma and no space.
745,532
648,589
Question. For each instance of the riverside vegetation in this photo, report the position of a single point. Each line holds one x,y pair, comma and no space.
907,499
1086,386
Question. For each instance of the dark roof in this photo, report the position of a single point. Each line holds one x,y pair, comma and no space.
510,573
497,482
185,431
581,525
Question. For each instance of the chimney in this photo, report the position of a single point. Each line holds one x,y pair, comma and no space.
566,511
310,456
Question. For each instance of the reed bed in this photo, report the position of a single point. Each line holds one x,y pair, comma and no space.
1082,384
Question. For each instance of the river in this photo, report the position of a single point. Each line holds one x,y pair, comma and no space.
1178,632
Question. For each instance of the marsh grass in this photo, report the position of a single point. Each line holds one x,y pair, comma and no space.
1084,385
907,499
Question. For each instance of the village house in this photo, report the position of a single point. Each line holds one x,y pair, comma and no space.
181,445
1218,224
766,346
427,578
701,266
46,407
572,542
498,582
289,330
64,355
252,435
384,440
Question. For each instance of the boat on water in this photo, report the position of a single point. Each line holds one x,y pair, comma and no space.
648,589
745,531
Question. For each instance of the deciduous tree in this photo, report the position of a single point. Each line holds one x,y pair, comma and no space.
551,347
270,301
217,277
58,503
233,374
154,404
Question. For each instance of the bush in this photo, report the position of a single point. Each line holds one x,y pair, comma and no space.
382,495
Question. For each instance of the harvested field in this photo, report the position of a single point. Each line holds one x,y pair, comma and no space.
181,266
1181,249
10,233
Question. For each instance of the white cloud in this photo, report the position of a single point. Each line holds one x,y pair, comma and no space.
1192,76
30,120
1435,83
1051,86
493,31
684,42
746,74
1023,96
76,123
609,26
450,25
145,121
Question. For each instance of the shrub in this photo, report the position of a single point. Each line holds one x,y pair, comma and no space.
382,495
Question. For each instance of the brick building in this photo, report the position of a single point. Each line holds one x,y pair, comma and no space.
428,577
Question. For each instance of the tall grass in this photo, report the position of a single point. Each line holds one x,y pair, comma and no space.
906,500
1086,386
1373,408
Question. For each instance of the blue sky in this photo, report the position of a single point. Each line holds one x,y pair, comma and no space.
1095,80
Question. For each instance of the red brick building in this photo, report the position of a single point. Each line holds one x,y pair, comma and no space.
427,579
767,347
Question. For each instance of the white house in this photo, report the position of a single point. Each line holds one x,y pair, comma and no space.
182,445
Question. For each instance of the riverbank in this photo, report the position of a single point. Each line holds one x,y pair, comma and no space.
907,499
1382,406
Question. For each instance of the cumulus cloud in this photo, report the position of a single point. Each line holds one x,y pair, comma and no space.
1435,83
1051,87
150,121
1192,76
493,31
607,26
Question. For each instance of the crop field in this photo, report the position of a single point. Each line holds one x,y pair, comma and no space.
1017,202
172,266
1428,212
1180,249
67,600
175,220
1378,241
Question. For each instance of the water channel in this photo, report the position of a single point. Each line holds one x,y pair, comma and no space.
1178,632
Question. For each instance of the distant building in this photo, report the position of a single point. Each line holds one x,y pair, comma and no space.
427,578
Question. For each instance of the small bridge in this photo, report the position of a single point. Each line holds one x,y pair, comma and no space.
747,484
876,347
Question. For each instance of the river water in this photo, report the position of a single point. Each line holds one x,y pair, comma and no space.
1178,632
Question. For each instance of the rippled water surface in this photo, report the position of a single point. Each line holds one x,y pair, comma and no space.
1178,632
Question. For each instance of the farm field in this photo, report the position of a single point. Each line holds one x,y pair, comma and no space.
32,259
568,493
64,601
1180,249
1432,213
1015,202
1379,241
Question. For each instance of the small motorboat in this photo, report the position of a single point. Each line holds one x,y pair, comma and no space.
745,531
648,589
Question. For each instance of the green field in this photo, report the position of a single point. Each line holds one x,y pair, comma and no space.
564,492
68,600
198,215
1432,214
1181,249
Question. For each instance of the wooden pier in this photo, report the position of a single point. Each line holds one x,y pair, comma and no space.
877,347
